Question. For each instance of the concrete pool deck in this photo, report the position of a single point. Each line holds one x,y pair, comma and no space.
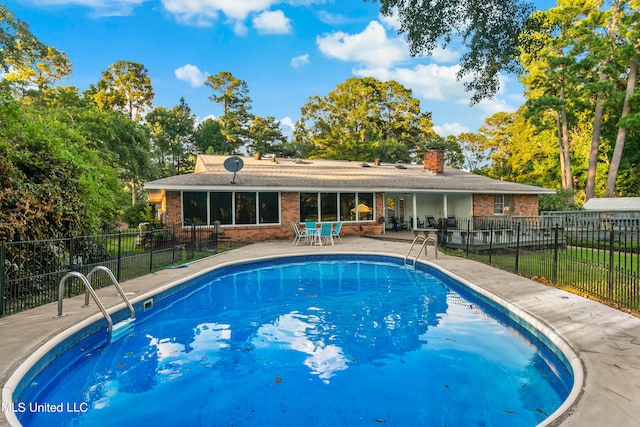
606,340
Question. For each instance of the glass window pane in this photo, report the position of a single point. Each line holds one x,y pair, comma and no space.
498,203
269,208
508,204
329,206
348,207
221,207
365,206
308,207
194,206
246,208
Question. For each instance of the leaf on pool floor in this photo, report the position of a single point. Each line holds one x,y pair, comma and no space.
278,380
121,365
542,412
378,420
508,411
447,386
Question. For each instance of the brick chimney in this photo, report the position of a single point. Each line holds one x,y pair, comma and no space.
434,160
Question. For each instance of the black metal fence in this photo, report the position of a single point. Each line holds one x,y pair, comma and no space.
600,259
31,271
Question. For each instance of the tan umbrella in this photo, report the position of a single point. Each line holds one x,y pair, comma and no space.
362,208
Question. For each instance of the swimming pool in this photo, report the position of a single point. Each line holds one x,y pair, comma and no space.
307,341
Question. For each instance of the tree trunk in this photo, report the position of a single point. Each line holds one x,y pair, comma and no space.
566,152
595,143
134,199
622,131
563,174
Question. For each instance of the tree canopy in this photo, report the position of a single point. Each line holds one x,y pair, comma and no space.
125,86
365,119
489,30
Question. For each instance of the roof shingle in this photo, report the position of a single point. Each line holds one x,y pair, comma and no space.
334,175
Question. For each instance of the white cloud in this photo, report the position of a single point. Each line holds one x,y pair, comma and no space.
300,60
495,105
287,123
444,54
371,47
205,12
432,82
100,7
191,74
333,18
272,23
450,129
200,120
390,21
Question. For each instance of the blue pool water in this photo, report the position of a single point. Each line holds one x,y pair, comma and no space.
317,341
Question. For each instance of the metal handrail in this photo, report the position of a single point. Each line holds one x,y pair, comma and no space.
415,240
90,291
425,240
115,283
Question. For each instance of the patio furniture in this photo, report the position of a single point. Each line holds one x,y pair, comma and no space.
431,222
326,233
299,234
336,231
311,228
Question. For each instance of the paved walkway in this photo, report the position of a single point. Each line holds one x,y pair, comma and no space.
607,341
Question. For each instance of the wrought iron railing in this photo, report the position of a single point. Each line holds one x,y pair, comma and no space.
598,258
30,271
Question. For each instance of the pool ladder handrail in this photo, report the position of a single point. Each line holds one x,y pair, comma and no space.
86,281
425,240
115,283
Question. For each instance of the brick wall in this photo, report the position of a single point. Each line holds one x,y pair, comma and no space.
483,204
174,207
523,204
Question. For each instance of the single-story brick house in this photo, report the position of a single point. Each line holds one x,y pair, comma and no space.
262,199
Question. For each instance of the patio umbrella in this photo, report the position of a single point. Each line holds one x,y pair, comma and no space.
362,208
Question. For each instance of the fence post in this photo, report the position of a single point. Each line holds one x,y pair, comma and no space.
517,246
193,239
3,255
173,243
150,250
468,235
490,241
610,269
119,260
72,254
554,268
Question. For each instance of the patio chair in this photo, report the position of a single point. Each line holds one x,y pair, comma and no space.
311,228
299,234
431,222
326,233
336,231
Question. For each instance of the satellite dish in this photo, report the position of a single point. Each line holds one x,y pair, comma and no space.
233,164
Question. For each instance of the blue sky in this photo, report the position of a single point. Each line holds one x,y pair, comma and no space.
286,51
